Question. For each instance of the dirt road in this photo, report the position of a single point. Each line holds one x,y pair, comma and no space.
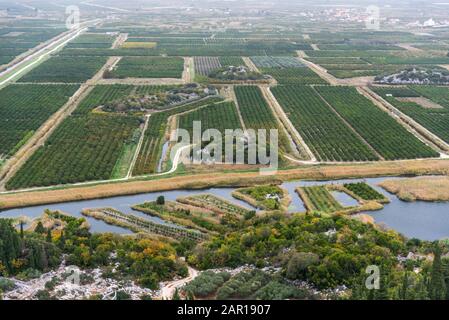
168,289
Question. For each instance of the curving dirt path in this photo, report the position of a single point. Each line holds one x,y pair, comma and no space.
168,289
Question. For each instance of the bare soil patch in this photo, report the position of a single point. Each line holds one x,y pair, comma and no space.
423,102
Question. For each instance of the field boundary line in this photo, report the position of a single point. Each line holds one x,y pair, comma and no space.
419,131
139,147
250,64
236,102
42,134
41,54
294,134
10,168
187,75
121,39
320,71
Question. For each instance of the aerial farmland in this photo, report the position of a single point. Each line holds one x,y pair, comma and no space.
250,151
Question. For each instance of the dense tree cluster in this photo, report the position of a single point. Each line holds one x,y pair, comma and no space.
27,254
329,252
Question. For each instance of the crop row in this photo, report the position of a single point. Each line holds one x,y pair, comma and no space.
86,146
220,116
154,137
276,62
329,138
149,67
434,119
364,191
391,140
65,69
24,108
290,76
255,111
138,224
92,40
320,199
82,148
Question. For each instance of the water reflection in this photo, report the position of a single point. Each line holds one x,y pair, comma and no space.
424,220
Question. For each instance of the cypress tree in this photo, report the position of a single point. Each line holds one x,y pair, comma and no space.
437,287
21,230
39,228
176,295
403,292
48,238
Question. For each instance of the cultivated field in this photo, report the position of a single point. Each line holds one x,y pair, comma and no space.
377,127
329,138
434,119
148,67
24,108
65,70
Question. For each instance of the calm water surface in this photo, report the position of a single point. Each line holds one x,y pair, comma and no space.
424,220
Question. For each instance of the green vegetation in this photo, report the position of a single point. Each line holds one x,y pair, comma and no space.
294,76
24,108
65,69
252,284
364,191
377,127
256,112
196,47
86,146
267,237
141,225
185,215
215,204
143,260
329,138
220,116
276,62
263,197
318,198
155,136
231,61
92,40
148,67
16,40
80,149
434,119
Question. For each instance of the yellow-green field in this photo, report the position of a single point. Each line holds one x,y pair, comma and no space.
139,45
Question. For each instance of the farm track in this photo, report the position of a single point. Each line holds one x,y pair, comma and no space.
290,128
410,48
411,125
22,58
121,38
139,147
349,126
320,71
324,74
44,132
188,73
250,64
168,289
20,68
